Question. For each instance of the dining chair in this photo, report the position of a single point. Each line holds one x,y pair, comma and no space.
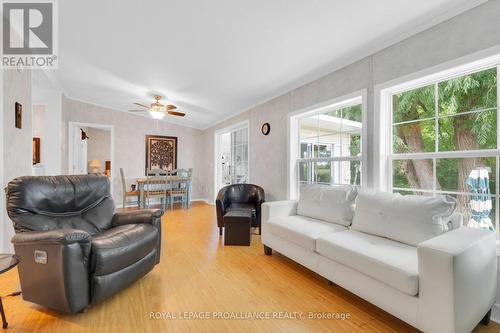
129,194
185,172
156,187
181,188
157,172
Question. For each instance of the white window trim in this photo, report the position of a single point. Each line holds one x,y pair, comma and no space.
382,94
359,96
383,112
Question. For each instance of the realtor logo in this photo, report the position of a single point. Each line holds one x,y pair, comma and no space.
29,34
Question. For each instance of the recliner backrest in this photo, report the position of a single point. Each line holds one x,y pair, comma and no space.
36,203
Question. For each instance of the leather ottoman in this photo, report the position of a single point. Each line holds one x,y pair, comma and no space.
237,224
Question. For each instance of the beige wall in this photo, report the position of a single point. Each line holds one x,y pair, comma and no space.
467,33
129,138
38,125
46,96
17,143
99,146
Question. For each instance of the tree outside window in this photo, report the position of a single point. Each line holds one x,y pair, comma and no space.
457,116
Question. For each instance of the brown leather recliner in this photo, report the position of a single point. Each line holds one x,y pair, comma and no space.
240,197
74,249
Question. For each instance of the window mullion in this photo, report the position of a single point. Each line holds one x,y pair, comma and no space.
434,175
497,186
436,117
436,136
447,154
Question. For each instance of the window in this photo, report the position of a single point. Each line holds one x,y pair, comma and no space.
329,145
444,141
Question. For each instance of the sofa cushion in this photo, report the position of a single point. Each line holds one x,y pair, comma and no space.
327,203
409,219
302,230
119,247
385,260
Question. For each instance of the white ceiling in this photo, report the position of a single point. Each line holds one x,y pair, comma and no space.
218,58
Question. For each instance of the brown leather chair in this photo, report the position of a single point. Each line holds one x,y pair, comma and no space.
246,197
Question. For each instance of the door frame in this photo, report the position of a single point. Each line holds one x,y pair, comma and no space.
75,126
217,134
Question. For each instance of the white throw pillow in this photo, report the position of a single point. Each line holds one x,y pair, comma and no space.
410,219
333,204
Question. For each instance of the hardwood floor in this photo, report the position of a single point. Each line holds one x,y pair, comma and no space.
197,273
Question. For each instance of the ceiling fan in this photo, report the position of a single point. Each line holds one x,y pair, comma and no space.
158,110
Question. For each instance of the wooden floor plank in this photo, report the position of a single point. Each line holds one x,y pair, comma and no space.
197,273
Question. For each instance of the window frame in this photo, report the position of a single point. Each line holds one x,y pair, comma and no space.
293,151
384,124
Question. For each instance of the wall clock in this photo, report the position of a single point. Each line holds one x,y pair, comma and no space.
266,128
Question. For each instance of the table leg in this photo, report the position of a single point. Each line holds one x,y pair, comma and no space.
2,312
141,197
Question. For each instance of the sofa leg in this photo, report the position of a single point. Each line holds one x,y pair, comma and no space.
267,250
486,318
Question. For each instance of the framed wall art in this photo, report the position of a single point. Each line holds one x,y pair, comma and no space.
19,115
161,153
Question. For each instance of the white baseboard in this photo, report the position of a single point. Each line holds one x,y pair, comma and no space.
495,313
200,199
192,200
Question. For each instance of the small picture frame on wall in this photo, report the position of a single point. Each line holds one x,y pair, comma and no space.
36,151
19,115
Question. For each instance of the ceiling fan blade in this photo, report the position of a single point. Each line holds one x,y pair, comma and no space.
144,106
175,113
170,107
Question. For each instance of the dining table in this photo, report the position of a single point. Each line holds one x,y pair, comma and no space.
172,181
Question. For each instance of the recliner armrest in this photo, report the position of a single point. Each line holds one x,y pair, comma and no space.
137,217
54,268
457,280
59,236
150,216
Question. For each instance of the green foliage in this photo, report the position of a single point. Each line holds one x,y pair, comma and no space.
414,104
484,128
456,99
353,113
477,91
399,178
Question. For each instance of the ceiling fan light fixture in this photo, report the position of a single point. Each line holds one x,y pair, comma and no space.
158,110
156,114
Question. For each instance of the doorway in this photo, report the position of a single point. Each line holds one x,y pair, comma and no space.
231,156
90,149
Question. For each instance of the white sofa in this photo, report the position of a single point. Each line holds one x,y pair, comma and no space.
408,255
